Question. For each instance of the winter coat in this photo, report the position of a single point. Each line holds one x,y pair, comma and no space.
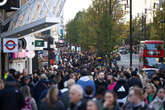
116,107
141,106
112,86
81,105
121,89
101,87
157,103
11,98
30,104
59,106
86,81
135,82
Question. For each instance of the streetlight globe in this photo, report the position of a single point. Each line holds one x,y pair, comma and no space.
161,9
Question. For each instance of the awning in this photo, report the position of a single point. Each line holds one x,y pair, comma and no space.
30,28
34,16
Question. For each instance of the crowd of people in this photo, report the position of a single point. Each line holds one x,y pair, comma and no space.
81,82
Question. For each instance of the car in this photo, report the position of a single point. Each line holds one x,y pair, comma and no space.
150,71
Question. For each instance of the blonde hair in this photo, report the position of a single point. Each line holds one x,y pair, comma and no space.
26,91
152,86
52,96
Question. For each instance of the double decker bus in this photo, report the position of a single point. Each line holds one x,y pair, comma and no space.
151,53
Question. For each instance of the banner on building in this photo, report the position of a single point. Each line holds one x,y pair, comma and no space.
10,45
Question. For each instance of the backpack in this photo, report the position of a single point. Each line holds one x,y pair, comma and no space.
28,104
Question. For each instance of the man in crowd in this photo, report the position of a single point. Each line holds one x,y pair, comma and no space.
76,98
11,98
101,85
85,81
136,101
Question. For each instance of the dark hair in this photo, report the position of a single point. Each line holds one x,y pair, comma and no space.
114,95
88,90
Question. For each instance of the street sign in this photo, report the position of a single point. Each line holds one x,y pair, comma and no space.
10,45
39,43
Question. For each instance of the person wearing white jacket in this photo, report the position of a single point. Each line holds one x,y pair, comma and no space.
157,103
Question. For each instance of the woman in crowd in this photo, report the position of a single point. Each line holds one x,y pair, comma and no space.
158,102
110,102
149,93
93,105
112,83
30,101
51,102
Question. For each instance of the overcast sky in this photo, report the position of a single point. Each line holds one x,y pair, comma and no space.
73,6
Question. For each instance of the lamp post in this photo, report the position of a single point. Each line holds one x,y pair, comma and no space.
161,10
130,41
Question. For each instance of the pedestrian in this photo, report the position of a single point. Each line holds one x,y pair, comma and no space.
101,85
135,81
52,102
121,89
65,92
156,82
150,93
26,80
112,83
30,101
2,85
88,93
11,96
136,100
93,105
76,98
110,102
158,102
85,81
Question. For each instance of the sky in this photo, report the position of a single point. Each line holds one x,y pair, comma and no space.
73,6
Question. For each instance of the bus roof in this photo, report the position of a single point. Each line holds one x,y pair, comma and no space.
152,42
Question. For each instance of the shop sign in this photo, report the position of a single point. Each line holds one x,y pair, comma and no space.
10,45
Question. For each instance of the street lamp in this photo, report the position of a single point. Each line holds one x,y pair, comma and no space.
130,42
162,21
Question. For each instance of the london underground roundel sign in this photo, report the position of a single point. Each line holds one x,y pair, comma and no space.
10,45
3,2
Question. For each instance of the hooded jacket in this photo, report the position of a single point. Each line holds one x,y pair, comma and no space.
157,103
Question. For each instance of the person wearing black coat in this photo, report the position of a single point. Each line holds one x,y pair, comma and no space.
11,98
134,81
101,85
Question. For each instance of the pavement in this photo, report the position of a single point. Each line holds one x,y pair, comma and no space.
125,61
